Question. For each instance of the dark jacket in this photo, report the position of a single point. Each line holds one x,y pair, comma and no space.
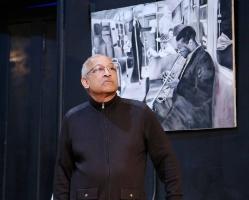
102,152
193,97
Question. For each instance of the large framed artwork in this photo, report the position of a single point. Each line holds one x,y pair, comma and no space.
177,56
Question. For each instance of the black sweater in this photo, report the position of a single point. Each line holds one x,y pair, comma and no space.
103,148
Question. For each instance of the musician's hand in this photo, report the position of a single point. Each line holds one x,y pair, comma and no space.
173,84
166,76
170,79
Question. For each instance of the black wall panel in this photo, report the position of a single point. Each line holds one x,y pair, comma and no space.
29,110
77,47
3,102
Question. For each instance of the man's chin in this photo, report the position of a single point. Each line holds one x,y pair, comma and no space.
184,53
109,85
109,90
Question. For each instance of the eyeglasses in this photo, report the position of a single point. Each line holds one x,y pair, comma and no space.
101,69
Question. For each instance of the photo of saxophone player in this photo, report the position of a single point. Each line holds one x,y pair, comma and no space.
191,106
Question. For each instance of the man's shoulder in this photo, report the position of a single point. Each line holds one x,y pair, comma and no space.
140,109
202,56
77,109
202,52
135,103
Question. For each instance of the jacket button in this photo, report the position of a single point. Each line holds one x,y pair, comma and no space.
85,195
131,195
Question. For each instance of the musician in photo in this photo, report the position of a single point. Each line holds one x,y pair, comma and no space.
192,98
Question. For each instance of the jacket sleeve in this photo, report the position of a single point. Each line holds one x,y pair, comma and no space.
162,156
64,165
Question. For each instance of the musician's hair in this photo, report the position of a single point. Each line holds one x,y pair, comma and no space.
186,33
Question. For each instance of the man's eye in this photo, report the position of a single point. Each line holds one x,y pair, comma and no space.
113,68
95,70
100,69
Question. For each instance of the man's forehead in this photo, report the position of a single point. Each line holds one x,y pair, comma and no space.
99,60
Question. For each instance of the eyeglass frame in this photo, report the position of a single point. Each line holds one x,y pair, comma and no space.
115,66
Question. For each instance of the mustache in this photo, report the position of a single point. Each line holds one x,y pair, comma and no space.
108,80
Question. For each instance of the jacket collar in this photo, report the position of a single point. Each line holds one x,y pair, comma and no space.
104,105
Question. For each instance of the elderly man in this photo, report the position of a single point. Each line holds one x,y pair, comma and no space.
104,143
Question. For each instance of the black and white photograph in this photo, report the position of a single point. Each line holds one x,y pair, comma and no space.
177,56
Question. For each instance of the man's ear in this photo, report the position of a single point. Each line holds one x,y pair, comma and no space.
84,82
191,42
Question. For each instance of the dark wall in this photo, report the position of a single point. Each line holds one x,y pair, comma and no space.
77,48
3,103
28,105
214,163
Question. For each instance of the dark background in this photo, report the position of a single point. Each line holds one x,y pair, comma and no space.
214,163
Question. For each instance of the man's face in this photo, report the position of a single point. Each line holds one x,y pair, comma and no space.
101,77
183,48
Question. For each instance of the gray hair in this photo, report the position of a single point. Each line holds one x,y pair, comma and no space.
89,63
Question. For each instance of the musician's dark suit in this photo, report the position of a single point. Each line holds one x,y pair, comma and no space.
192,99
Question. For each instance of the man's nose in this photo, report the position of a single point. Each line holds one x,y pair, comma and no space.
107,71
